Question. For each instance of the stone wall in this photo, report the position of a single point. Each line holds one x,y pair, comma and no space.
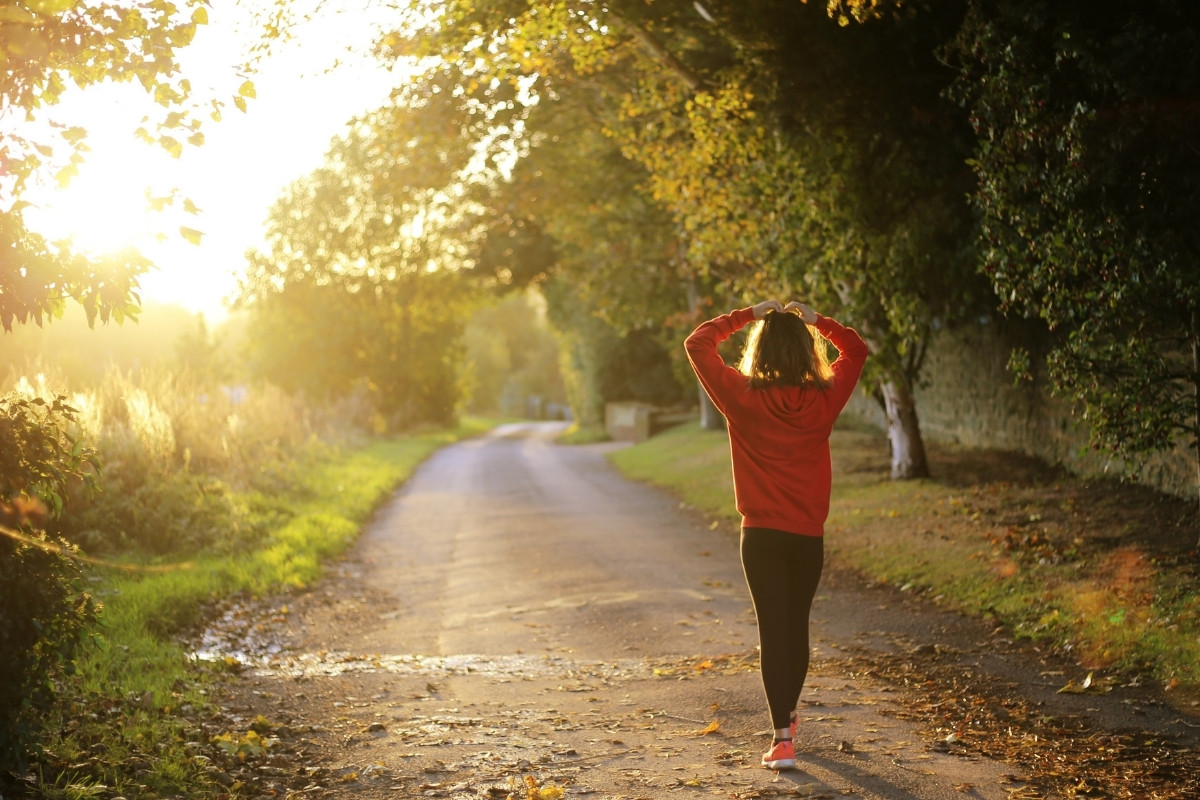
968,397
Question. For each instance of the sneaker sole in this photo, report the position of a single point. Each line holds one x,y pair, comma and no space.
783,763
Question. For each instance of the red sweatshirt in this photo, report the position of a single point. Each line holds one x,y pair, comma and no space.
778,437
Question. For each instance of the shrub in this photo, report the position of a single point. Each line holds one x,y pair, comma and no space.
42,610
177,452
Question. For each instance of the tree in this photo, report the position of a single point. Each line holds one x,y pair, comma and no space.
45,47
821,160
792,155
200,352
1086,116
564,207
360,277
614,282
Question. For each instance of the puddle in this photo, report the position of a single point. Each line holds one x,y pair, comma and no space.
332,664
239,633
248,636
249,640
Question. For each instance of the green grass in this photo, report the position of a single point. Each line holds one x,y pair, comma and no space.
693,463
577,434
135,668
999,537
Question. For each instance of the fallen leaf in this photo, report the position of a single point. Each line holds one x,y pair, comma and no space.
1089,685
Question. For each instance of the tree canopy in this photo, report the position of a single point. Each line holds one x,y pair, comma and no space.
787,154
362,283
1086,118
886,161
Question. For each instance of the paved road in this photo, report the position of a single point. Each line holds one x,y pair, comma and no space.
509,543
519,611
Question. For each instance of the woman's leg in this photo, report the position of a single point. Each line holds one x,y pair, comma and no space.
782,571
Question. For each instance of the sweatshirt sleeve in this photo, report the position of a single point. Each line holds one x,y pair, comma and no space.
852,354
719,379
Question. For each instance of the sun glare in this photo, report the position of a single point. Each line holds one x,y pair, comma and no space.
107,205
118,198
104,209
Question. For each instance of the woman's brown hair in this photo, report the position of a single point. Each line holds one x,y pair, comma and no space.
782,350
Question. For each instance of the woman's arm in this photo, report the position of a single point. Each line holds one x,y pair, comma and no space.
718,378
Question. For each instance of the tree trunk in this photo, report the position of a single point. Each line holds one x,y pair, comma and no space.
904,430
1196,386
710,418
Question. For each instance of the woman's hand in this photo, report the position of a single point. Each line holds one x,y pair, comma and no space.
806,312
761,309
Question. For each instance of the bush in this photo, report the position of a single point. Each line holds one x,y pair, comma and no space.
42,610
42,616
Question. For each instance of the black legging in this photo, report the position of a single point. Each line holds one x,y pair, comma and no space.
782,570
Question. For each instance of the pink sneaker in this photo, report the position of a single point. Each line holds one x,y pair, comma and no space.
781,756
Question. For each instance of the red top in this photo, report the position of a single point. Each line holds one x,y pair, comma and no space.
778,437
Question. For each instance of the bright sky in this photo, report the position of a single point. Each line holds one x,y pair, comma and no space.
235,176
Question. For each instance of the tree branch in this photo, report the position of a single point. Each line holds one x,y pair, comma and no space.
660,53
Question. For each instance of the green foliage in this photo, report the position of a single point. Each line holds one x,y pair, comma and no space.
50,274
42,610
176,454
397,342
43,616
40,455
612,278
1087,192
180,458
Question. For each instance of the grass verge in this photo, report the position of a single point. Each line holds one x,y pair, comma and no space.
1104,570
576,434
128,723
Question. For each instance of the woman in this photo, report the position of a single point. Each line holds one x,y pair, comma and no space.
780,407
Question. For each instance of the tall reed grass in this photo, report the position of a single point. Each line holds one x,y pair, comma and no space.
187,466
